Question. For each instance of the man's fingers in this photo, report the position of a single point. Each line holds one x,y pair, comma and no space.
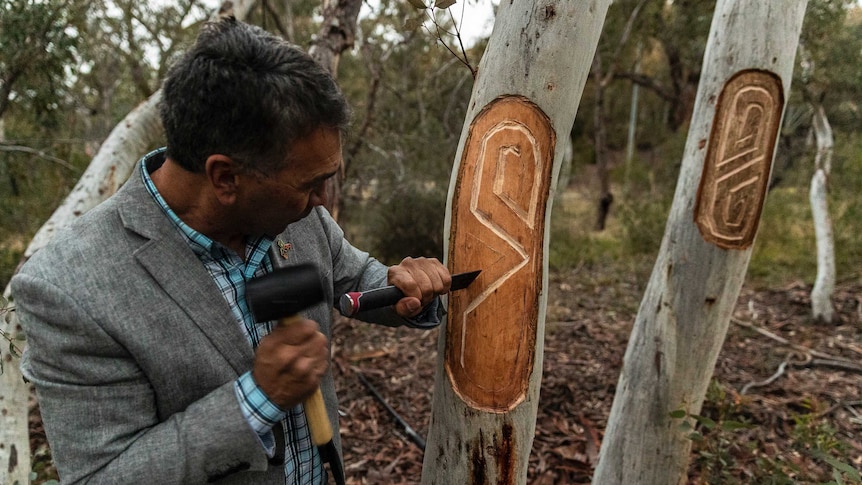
421,278
291,361
296,332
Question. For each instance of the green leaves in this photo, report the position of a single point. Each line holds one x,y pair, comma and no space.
707,423
678,414
418,4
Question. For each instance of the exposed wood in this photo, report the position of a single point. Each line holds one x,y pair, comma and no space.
738,159
526,93
498,225
686,309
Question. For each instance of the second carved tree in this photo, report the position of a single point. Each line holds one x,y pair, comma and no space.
685,312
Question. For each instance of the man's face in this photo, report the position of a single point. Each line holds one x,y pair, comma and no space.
272,202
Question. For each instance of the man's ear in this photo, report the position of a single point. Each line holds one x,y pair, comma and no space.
222,173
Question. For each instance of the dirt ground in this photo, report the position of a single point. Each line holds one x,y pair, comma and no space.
814,403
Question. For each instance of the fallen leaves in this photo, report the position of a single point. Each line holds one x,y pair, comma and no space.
587,328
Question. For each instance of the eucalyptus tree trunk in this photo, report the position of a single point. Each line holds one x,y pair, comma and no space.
489,367
684,315
337,33
824,284
110,167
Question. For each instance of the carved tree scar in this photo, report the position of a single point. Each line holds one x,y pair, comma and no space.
498,219
739,159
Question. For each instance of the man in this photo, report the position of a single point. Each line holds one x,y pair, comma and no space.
147,363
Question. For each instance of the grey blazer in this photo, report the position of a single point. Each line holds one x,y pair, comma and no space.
134,352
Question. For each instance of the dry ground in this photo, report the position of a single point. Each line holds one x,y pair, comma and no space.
815,401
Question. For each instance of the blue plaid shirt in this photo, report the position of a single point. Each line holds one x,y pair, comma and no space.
230,272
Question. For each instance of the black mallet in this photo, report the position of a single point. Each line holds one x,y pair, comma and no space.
281,295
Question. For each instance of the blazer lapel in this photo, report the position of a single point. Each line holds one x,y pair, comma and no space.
175,268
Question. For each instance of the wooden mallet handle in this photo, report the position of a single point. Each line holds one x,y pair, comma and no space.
315,408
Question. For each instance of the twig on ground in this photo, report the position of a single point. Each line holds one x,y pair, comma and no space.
809,354
768,381
801,348
836,364
850,347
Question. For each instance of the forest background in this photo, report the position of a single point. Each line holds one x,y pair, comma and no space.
70,70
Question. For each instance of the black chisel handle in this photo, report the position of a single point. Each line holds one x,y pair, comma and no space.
359,301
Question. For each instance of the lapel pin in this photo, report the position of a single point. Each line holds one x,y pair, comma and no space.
284,248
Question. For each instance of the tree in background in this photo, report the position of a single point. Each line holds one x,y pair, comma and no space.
817,89
602,74
410,95
646,34
38,41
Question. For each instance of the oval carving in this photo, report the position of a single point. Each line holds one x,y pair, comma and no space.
498,219
739,159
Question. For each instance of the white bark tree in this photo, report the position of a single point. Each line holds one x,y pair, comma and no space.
107,171
824,284
684,314
527,91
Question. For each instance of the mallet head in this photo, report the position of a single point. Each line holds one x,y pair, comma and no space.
284,292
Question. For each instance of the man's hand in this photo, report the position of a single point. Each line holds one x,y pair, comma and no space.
421,280
290,361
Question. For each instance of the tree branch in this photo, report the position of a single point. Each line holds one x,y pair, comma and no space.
39,153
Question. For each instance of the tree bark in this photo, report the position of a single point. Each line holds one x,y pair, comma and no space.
684,315
107,171
824,284
525,97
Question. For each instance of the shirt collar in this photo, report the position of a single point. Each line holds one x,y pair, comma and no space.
201,244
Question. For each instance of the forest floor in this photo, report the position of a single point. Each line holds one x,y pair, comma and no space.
795,385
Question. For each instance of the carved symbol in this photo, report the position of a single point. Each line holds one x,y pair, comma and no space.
498,225
739,159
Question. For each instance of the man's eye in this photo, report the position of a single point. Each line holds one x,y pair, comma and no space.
317,185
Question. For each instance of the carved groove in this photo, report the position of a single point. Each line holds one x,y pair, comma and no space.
498,226
739,159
